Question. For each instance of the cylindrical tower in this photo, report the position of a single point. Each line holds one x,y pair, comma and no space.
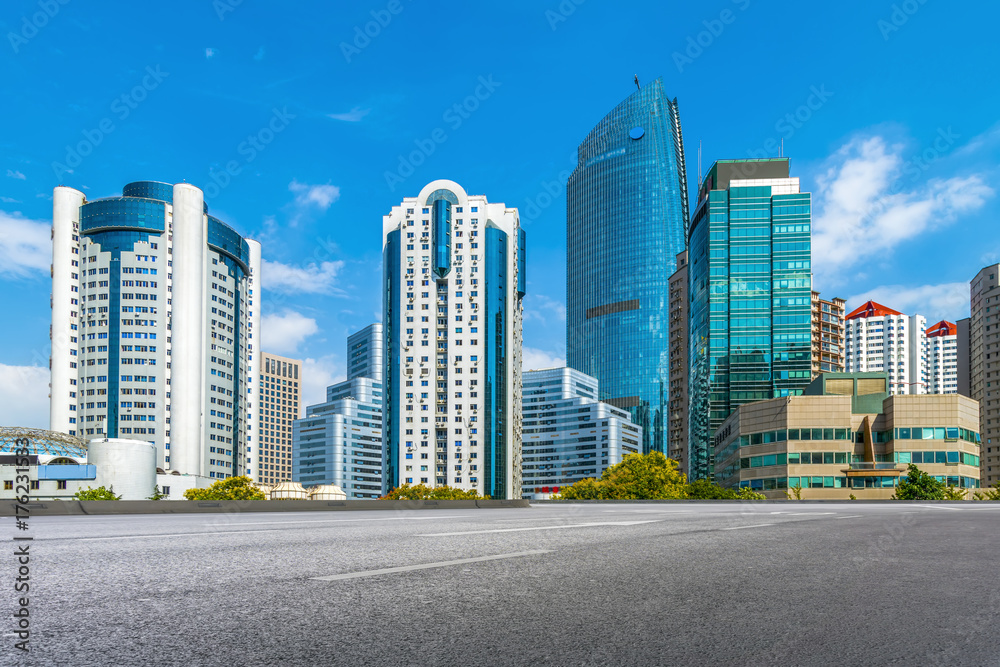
254,355
66,203
126,466
188,330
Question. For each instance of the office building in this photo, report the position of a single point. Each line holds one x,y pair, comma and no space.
749,259
626,220
339,442
984,365
454,277
280,401
569,435
365,354
827,335
153,298
880,339
848,435
677,426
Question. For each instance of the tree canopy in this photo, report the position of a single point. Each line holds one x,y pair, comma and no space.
918,485
100,493
424,492
231,488
649,476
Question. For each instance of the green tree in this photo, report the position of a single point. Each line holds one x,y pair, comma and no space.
954,493
638,477
746,493
231,488
100,493
795,492
918,485
424,492
987,494
157,494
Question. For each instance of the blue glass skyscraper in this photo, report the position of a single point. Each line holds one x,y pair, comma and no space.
626,221
750,291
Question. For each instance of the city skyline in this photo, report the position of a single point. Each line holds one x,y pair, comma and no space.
309,205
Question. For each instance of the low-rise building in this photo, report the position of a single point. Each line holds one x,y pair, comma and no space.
568,434
848,435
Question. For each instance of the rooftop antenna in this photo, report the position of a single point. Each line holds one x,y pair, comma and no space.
699,164
781,151
637,87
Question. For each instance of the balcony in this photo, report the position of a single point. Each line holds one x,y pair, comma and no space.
869,469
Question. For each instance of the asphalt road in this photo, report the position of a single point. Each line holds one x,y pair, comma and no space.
636,584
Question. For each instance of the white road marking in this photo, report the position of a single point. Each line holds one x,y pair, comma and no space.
517,530
137,537
810,513
427,566
392,518
941,507
756,525
849,516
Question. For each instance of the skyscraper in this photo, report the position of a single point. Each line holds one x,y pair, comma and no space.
280,404
364,353
454,278
749,257
339,441
155,329
626,220
677,438
984,363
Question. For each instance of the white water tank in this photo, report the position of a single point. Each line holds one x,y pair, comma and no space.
127,466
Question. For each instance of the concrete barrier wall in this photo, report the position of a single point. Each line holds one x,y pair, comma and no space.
97,507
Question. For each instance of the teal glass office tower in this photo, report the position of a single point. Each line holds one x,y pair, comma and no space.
626,221
750,290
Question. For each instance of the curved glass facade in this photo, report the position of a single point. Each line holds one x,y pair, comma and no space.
626,221
228,241
391,348
123,213
153,190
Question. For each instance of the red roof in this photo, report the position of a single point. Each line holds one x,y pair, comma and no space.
942,328
871,309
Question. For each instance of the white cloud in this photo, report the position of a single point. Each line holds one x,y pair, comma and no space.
542,308
533,359
9,200
210,53
16,174
352,116
317,375
947,301
319,196
864,208
282,333
259,55
309,279
25,245
24,396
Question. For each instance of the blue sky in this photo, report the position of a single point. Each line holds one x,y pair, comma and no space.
887,111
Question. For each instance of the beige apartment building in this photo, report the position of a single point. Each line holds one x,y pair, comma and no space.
677,426
280,404
827,335
847,435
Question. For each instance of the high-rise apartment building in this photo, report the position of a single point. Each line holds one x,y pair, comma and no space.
984,366
880,339
677,414
454,279
749,262
941,357
568,434
155,329
365,354
626,220
827,335
280,405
